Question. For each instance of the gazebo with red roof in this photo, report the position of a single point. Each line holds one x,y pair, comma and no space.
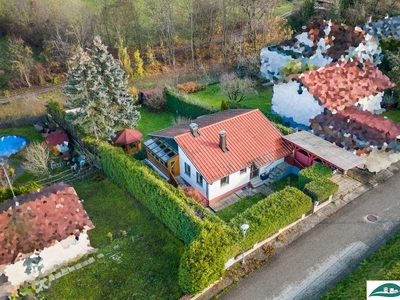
129,139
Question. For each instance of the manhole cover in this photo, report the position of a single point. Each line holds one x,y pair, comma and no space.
372,218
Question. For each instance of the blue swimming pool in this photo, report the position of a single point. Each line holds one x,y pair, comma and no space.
11,144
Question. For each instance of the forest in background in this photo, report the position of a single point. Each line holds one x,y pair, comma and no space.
38,37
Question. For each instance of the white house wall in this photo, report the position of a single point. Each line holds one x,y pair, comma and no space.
192,179
54,257
235,180
287,103
267,168
372,103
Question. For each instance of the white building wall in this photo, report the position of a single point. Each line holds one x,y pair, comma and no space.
54,257
372,103
235,180
267,168
192,179
287,102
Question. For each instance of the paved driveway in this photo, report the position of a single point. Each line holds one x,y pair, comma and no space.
306,267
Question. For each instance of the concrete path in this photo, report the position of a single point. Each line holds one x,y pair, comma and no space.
307,267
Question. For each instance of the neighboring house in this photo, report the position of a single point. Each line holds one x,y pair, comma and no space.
385,29
48,226
218,154
331,88
318,45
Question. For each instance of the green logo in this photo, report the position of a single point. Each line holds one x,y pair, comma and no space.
386,290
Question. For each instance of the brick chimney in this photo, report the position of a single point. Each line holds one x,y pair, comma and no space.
222,140
194,129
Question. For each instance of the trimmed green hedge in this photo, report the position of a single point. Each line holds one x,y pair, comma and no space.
314,172
320,189
185,105
5,193
271,214
183,216
203,262
283,129
274,118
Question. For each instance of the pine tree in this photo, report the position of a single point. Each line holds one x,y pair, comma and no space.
123,56
224,105
138,62
98,85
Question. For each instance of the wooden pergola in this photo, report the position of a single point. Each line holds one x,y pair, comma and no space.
309,149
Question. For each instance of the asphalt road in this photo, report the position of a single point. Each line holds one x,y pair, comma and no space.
306,268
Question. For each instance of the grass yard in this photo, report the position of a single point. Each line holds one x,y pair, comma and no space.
286,6
149,254
213,96
282,183
28,132
382,265
393,115
151,122
231,211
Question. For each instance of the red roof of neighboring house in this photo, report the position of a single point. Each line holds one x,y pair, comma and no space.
345,83
57,138
127,136
250,137
378,122
43,217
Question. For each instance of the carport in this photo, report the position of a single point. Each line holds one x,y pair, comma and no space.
310,149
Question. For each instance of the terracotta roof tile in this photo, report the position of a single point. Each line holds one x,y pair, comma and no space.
343,84
42,218
251,139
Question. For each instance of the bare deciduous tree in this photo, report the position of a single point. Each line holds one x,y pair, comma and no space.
36,159
22,58
235,88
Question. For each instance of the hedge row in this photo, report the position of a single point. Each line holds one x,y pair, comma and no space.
314,172
283,129
271,214
5,193
320,189
183,216
185,105
274,118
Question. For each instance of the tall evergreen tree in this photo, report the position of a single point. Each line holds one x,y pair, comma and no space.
98,86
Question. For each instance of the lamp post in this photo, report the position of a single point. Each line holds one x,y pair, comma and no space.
244,227
2,162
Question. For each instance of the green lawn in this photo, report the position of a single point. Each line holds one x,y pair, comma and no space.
213,96
382,265
28,132
286,6
149,254
231,211
151,122
393,115
282,183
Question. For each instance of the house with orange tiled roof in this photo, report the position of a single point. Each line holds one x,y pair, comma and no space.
43,231
330,89
218,154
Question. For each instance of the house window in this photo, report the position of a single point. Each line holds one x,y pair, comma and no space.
187,169
224,180
199,179
242,171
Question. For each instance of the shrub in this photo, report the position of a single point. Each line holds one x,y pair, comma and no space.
283,129
320,189
36,159
185,106
224,105
155,101
5,193
270,214
191,87
314,172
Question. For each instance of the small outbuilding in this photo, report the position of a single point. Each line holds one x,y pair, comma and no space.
130,140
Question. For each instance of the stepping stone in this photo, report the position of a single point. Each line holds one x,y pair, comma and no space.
101,255
64,271
91,260
58,275
78,266
52,277
70,269
85,263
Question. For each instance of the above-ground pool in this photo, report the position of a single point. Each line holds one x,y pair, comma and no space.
11,144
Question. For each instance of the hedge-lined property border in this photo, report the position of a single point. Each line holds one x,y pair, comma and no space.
314,172
320,189
185,105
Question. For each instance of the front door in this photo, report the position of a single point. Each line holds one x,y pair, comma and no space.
254,172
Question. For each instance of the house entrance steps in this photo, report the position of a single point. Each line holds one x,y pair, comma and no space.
274,174
180,181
